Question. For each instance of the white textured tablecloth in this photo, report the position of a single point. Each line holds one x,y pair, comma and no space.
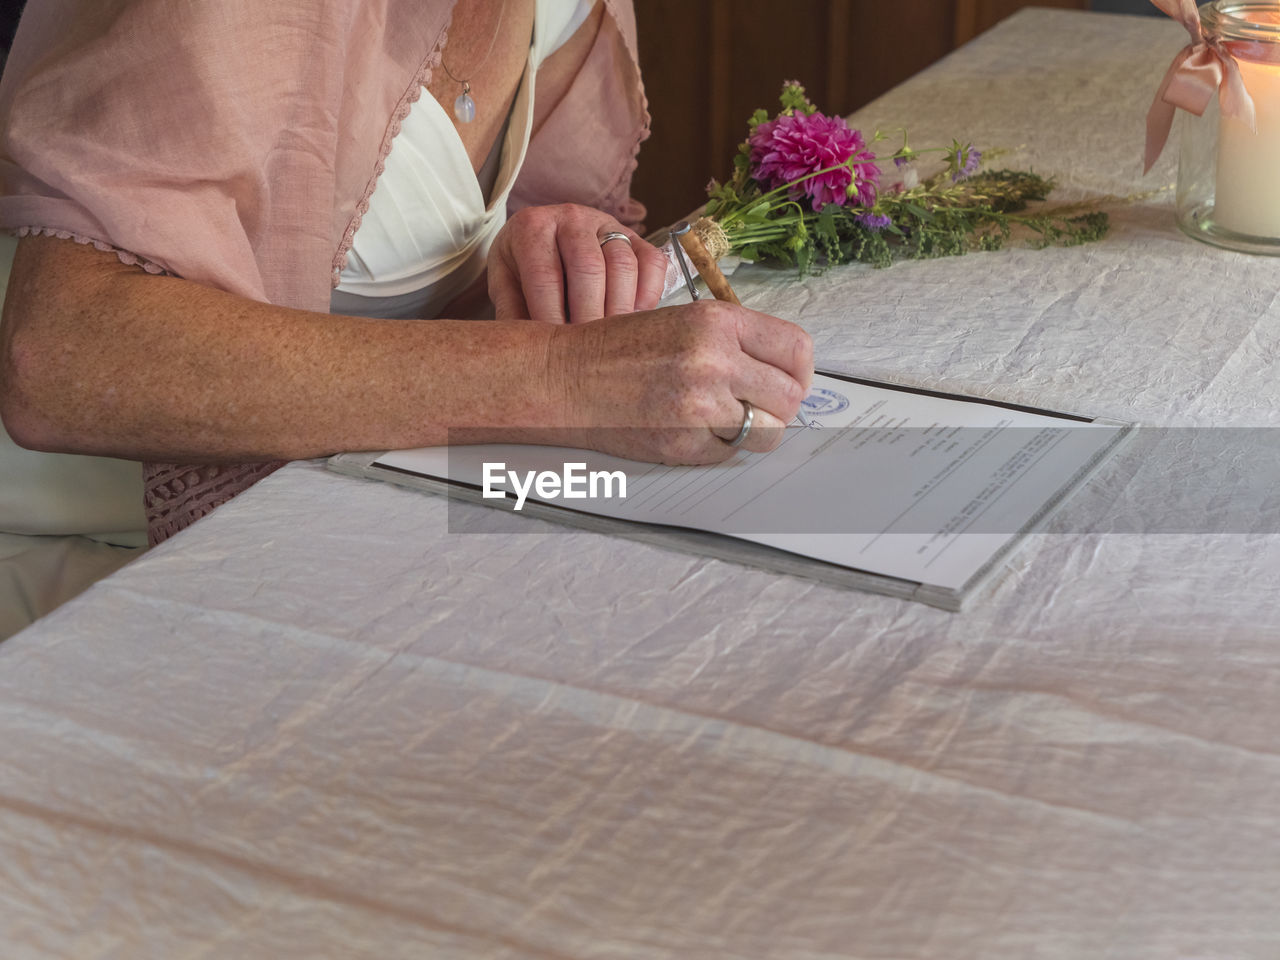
317,724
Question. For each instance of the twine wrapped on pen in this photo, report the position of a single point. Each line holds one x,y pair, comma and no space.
704,244
704,262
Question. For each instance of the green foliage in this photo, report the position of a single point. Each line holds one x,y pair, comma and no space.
938,218
946,215
793,98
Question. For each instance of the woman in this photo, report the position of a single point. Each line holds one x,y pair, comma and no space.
193,182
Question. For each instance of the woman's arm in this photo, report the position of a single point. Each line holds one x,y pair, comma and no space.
101,358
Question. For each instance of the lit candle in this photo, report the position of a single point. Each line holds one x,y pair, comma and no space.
1247,198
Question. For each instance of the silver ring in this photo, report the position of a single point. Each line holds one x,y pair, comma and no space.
748,417
615,235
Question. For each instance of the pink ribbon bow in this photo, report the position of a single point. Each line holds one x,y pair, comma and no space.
1201,68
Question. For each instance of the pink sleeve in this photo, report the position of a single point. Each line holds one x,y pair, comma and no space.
226,142
585,150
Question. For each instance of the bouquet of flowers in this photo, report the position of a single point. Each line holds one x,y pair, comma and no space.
806,192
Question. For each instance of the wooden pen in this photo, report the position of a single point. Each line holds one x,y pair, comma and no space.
706,265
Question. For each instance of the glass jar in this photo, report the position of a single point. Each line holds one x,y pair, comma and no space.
1228,175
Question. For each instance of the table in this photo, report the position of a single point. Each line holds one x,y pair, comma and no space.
319,724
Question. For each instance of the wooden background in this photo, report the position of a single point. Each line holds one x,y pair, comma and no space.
708,64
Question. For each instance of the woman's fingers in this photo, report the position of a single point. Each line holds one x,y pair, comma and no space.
779,346
504,290
652,264
583,263
764,431
622,270
565,264
772,390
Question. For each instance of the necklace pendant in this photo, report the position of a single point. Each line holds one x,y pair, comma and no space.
464,108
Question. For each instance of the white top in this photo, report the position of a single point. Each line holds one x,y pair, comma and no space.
427,233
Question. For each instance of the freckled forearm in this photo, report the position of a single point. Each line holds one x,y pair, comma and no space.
100,358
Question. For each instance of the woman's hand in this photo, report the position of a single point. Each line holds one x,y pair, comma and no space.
548,263
669,385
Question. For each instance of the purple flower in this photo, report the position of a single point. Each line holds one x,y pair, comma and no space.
793,146
964,162
875,222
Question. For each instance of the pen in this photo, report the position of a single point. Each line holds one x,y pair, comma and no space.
693,247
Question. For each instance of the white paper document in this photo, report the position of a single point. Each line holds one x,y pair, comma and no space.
923,488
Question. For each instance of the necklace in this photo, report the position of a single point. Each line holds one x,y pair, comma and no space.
464,108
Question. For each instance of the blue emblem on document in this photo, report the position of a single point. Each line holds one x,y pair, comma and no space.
822,402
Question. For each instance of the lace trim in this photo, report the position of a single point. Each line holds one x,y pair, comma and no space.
177,495
130,259
411,96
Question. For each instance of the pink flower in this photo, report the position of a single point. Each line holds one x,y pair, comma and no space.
792,146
